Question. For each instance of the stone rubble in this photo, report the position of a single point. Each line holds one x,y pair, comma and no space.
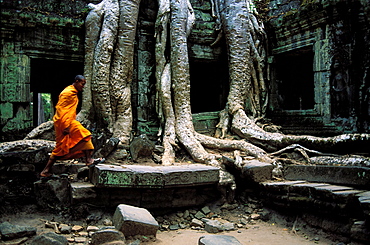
215,219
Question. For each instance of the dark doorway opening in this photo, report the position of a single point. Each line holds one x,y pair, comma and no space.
295,77
50,77
209,86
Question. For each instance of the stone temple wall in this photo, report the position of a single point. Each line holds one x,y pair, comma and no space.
37,32
328,37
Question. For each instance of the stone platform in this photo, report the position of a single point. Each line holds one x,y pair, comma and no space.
151,187
136,176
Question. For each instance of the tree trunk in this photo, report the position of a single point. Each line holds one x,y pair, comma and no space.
110,70
181,82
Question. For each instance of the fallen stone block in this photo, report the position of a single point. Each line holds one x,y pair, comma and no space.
107,235
49,238
21,167
196,223
174,227
218,240
212,226
65,229
257,171
54,191
134,221
228,226
82,192
9,231
80,239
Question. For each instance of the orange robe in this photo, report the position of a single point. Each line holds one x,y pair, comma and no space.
69,146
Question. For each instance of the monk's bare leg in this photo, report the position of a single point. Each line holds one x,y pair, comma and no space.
47,170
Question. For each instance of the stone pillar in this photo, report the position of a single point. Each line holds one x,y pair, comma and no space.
321,69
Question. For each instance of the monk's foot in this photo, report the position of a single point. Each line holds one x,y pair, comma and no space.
45,174
95,162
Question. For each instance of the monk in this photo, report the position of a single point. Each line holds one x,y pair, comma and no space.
72,139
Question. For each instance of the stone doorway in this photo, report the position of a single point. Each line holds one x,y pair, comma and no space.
48,78
209,86
295,77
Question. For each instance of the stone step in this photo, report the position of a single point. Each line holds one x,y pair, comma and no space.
342,175
256,172
141,176
364,199
323,198
340,210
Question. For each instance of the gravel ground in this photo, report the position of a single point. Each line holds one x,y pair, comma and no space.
277,230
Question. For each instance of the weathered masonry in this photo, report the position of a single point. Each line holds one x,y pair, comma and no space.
318,64
42,49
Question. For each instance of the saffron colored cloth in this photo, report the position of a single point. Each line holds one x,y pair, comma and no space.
71,145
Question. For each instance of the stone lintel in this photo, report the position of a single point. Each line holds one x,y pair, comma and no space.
136,176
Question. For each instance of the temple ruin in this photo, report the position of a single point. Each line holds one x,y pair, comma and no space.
317,77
